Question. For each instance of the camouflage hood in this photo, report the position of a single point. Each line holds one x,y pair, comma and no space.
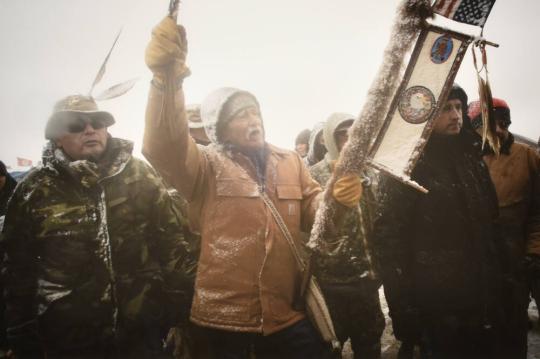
330,126
88,173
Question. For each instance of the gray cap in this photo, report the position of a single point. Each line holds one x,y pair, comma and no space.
74,104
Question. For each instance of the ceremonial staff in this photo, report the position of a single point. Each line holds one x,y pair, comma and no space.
410,19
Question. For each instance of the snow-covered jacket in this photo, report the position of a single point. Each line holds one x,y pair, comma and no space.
247,278
93,255
515,173
439,253
348,259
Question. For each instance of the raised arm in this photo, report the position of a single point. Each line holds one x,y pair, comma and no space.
167,144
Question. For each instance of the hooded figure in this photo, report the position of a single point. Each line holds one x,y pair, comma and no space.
346,272
317,149
515,173
301,143
247,277
196,126
439,253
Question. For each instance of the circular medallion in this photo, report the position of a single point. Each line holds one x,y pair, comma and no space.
442,49
416,104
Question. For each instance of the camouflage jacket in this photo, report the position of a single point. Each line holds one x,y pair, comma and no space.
92,254
348,259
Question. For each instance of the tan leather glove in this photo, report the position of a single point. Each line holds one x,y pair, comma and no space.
348,190
166,53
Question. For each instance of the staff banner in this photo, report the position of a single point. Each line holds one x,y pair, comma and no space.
427,81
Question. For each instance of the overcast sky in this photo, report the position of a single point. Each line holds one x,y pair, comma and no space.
302,59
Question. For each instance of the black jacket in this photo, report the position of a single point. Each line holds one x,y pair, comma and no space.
438,252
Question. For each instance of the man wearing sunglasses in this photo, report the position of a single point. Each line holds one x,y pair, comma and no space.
515,175
95,253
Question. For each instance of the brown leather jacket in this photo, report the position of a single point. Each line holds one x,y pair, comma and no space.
247,277
515,173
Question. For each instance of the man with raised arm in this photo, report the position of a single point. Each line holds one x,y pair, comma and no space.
247,279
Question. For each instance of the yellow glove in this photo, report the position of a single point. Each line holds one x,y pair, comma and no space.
166,53
348,190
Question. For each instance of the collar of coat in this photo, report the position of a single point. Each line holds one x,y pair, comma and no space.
505,146
88,173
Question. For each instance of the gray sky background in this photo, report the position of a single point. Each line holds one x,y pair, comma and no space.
302,59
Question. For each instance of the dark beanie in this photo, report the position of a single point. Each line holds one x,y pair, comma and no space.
458,93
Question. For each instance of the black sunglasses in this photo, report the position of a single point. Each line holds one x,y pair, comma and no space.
79,123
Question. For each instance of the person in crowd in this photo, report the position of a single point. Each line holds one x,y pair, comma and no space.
7,186
317,149
195,124
247,278
346,272
301,143
515,174
94,252
439,254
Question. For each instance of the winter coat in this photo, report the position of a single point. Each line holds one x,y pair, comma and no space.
348,260
438,252
515,173
94,255
247,277
5,193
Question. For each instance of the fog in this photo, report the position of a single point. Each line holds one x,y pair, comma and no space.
302,59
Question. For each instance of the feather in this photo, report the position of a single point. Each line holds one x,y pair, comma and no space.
116,90
489,127
102,69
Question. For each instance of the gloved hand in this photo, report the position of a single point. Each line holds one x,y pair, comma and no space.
166,53
348,190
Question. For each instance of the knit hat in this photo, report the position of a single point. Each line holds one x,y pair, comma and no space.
303,137
500,109
220,106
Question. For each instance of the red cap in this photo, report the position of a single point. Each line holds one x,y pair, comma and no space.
474,107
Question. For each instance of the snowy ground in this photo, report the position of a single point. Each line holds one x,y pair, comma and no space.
390,345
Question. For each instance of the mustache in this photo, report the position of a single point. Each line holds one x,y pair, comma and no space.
253,130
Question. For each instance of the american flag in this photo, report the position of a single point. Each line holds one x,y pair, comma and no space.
472,12
24,162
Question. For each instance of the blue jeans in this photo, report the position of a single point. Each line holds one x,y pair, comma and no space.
298,341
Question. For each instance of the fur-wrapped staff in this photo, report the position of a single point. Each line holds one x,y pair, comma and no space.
410,20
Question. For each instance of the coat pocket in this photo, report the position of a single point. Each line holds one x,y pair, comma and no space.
289,206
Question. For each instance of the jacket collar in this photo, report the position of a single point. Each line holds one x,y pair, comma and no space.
88,173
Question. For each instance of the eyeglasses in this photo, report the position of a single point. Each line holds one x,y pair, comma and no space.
79,123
